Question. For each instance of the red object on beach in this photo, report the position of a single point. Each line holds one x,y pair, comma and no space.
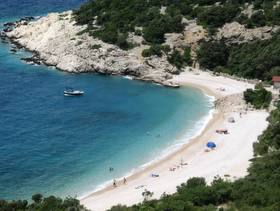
276,78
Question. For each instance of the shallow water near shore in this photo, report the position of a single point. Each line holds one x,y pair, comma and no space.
62,146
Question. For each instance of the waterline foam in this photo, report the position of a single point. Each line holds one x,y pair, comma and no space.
191,134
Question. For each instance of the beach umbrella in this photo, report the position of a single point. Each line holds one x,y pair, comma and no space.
211,144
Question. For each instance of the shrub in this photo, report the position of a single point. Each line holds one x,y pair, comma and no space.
270,139
176,59
217,16
258,19
155,30
37,198
40,203
138,32
258,59
212,54
187,55
259,98
166,48
95,46
153,50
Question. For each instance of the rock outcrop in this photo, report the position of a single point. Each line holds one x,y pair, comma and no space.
236,33
56,40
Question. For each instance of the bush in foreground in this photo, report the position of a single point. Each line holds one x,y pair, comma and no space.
40,203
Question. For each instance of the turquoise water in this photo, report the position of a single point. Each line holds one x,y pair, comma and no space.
65,145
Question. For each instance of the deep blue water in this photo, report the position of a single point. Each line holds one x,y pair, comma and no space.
64,145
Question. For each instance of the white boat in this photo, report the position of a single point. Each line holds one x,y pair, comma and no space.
72,92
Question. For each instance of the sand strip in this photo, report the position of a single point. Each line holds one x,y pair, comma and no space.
230,159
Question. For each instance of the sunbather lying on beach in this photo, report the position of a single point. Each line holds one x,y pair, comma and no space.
222,131
140,186
172,168
154,175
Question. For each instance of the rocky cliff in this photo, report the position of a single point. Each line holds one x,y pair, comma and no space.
55,40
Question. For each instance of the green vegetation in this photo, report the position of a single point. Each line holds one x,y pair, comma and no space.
258,59
269,141
95,46
112,20
187,56
176,59
270,14
153,50
259,98
216,16
116,18
157,50
265,13
179,59
259,190
212,54
40,203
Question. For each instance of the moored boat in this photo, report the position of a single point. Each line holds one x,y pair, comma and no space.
72,92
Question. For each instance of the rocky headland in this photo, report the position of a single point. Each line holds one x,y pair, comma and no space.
56,40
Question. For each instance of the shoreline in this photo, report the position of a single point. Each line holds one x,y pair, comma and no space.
170,151
192,152
228,103
74,53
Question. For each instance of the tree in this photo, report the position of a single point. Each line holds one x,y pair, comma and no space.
187,55
153,50
147,194
37,198
122,42
259,98
258,19
176,59
212,54
154,32
217,16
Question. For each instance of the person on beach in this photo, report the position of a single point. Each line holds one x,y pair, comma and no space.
114,183
182,163
124,180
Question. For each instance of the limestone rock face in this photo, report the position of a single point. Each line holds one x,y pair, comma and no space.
236,33
55,39
194,33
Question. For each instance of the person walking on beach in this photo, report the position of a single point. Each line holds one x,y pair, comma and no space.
114,183
124,180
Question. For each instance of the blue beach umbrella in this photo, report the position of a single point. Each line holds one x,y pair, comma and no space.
211,145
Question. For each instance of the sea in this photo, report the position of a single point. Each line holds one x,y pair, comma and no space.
64,146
